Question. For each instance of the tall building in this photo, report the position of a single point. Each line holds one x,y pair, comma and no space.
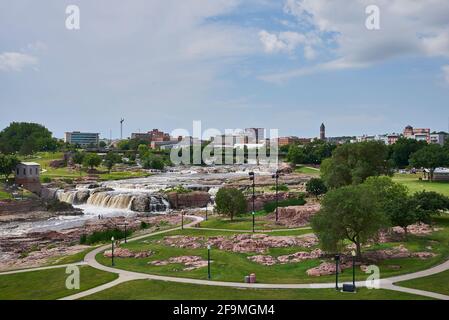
83,139
255,135
418,134
154,135
322,132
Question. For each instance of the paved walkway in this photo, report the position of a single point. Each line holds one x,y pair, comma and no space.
124,275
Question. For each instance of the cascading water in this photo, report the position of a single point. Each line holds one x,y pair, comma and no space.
111,200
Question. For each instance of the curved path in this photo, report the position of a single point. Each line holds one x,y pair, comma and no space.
124,275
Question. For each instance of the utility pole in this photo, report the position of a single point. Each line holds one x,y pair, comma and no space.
121,128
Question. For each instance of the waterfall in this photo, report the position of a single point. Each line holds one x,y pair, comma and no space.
111,200
66,196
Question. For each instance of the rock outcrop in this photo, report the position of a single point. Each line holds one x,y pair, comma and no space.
194,199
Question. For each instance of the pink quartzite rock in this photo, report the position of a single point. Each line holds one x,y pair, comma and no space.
190,262
126,253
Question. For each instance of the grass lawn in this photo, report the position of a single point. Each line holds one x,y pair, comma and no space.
3,194
48,284
230,266
240,223
44,159
161,290
307,170
436,283
414,184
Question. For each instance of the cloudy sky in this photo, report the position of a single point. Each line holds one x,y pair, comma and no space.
286,64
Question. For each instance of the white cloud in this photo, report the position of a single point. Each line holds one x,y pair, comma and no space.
446,73
408,28
288,42
16,61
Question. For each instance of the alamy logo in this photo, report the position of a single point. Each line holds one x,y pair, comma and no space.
372,22
72,22
72,282
373,281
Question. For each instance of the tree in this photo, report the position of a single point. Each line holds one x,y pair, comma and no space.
296,155
427,203
394,200
111,159
142,149
78,158
26,138
316,187
430,157
352,163
401,151
8,164
92,160
348,213
230,201
102,144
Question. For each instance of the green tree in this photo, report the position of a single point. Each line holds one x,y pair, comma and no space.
296,154
230,201
142,149
394,200
430,157
316,186
352,163
26,138
78,158
8,164
91,160
401,151
111,159
427,203
348,213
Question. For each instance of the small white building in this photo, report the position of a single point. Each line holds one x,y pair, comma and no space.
27,174
440,174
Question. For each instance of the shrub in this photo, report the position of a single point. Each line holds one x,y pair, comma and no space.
46,179
230,201
104,236
271,206
281,187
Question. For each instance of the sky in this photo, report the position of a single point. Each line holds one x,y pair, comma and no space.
283,64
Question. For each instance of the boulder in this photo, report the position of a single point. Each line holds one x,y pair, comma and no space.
141,203
192,199
81,196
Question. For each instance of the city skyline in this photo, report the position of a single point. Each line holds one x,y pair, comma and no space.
288,65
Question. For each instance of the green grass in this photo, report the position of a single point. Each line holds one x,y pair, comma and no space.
161,290
229,266
241,223
3,194
307,170
74,258
123,175
436,283
48,284
414,184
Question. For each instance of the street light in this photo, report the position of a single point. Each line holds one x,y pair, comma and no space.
182,220
252,178
112,256
353,269
337,260
208,261
276,176
125,231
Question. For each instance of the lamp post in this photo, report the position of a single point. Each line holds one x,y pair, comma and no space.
206,209
337,260
208,261
125,231
252,178
353,269
112,255
276,176
182,220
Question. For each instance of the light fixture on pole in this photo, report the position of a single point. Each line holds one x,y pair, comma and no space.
276,176
112,255
126,223
252,178
337,260
208,261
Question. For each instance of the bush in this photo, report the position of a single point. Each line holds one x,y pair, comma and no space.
178,189
56,205
271,206
104,236
46,179
144,225
230,201
316,187
281,187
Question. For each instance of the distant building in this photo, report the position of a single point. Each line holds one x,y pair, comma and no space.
150,136
27,175
255,135
418,134
284,141
438,138
322,132
440,174
83,139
